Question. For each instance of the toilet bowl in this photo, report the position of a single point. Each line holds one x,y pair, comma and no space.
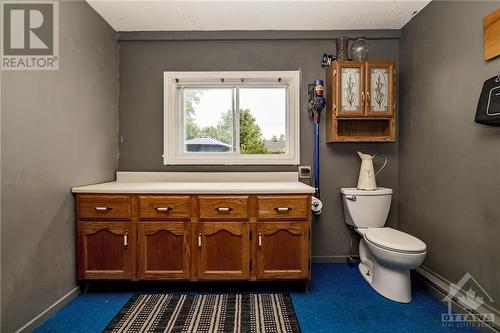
386,264
387,255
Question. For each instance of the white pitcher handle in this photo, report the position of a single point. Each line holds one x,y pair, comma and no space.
383,165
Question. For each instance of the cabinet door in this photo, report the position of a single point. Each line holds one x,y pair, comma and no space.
380,89
163,250
105,250
349,89
282,250
223,250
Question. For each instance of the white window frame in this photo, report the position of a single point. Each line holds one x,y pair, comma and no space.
173,150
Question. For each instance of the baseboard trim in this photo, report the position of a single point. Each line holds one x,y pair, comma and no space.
438,287
330,259
44,315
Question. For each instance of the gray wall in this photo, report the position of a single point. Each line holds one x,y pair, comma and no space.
449,166
144,57
59,129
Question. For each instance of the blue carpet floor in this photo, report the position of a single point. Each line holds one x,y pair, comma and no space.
339,300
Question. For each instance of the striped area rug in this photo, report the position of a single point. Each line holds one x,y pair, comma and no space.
206,313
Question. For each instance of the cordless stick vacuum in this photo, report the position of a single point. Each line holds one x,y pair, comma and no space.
316,103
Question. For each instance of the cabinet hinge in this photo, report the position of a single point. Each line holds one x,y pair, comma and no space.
309,234
250,234
250,264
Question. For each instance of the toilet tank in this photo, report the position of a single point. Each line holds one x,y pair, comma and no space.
366,209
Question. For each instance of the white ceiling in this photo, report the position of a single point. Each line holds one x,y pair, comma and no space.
169,15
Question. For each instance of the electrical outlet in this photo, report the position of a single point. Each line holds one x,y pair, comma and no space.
305,172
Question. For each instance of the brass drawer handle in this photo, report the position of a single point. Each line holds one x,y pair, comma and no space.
260,239
102,208
223,209
282,209
125,239
163,209
199,239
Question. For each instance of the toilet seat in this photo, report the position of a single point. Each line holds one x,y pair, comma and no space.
394,240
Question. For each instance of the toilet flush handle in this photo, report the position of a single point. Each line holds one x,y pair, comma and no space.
351,197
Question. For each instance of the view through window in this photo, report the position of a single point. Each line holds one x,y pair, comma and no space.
209,120
233,120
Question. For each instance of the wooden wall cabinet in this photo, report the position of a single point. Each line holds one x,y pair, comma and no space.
191,237
361,101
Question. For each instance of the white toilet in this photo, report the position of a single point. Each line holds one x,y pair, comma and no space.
387,255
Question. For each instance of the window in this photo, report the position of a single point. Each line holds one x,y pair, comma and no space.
231,117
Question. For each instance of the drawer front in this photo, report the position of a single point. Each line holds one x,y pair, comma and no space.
282,207
223,207
164,207
104,207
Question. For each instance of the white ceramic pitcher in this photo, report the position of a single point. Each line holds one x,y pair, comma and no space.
366,180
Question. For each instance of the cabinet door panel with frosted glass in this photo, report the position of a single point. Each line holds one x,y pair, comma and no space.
349,89
380,89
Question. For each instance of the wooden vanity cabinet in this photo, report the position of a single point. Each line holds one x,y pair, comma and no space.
106,237
163,237
283,237
193,237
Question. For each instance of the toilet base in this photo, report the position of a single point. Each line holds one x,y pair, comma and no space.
390,283
394,285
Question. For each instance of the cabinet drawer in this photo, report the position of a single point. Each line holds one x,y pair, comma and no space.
164,207
223,207
282,207
104,207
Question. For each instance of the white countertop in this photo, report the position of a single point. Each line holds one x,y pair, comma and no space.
196,188
198,184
